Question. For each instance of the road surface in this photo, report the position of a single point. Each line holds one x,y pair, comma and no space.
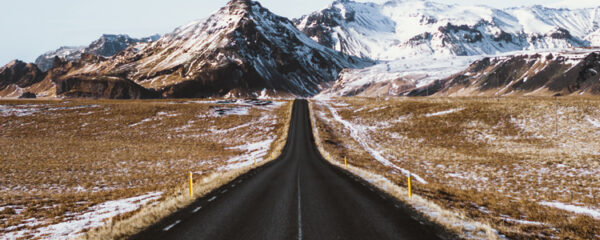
297,196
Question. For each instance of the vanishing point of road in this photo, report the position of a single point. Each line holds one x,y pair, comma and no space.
297,196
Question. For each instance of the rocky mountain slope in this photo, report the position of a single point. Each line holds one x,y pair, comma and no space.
241,50
107,45
20,73
17,78
550,73
406,28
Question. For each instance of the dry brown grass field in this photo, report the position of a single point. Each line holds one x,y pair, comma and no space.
527,167
73,160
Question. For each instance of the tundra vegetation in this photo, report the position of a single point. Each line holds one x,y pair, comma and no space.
62,160
529,167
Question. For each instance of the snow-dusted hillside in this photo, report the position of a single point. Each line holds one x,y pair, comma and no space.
107,45
415,28
396,77
547,73
46,60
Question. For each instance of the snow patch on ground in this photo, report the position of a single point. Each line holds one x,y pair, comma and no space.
359,136
594,122
159,116
572,208
221,112
444,112
523,222
30,109
143,121
95,217
256,150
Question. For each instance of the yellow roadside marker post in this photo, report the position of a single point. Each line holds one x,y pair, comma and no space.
409,187
191,185
345,162
255,161
329,157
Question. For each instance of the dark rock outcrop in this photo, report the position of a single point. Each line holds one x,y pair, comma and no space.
21,74
101,87
28,95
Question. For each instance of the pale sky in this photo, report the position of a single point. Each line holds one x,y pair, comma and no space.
29,28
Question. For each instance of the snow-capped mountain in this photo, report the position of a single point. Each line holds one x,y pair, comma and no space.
45,61
240,50
408,28
107,45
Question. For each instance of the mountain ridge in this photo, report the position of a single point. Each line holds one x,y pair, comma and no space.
557,74
240,50
107,45
346,49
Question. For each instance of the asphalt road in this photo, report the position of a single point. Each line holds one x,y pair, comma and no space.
298,196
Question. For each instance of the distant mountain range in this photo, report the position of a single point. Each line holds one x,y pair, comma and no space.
106,46
398,47
538,74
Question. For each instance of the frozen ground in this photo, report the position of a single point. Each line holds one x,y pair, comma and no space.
524,165
75,223
114,157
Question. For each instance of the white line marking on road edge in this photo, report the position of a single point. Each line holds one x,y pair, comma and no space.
171,226
299,209
224,191
197,209
371,190
212,198
232,185
396,206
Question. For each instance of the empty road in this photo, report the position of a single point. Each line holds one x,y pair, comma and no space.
297,196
